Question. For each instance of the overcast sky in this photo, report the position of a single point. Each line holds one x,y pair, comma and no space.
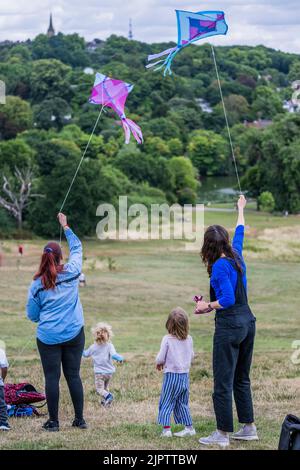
274,23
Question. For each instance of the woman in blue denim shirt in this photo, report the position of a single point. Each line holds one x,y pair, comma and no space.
54,304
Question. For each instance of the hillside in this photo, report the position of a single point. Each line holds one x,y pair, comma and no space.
47,120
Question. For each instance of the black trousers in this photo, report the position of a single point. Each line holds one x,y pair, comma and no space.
68,355
3,408
232,357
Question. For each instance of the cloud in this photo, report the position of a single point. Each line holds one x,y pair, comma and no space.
270,22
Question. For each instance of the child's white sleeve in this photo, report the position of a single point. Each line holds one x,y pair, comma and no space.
87,352
161,357
3,359
114,355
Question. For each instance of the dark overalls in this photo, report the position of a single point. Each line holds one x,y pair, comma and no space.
232,357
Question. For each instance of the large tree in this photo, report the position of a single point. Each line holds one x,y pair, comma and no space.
208,152
15,117
16,193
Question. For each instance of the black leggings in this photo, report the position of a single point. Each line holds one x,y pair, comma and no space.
68,355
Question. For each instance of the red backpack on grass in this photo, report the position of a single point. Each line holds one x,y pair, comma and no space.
22,394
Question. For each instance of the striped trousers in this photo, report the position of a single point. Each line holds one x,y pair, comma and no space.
174,399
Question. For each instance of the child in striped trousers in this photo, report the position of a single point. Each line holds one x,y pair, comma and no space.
174,358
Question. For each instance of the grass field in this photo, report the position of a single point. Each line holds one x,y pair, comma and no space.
149,280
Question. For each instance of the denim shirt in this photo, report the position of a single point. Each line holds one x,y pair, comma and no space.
58,312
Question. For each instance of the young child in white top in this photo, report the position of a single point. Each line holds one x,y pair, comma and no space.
103,354
174,358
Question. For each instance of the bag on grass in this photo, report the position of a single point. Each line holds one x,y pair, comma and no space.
290,434
22,411
22,394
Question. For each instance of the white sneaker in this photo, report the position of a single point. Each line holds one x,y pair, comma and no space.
246,433
216,438
185,432
166,433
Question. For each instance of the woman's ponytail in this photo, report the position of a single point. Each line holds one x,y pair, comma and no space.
49,265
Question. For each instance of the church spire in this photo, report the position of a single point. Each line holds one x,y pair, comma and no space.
51,31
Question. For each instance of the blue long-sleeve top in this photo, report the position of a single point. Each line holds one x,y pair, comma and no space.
58,312
224,276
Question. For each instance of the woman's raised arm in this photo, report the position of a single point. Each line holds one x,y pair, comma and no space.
75,260
241,206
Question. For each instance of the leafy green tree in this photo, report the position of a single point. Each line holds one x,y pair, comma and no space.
176,147
15,117
161,127
69,49
237,108
141,168
74,133
294,73
267,103
53,112
16,153
49,79
291,174
157,147
16,75
144,194
95,184
208,152
278,169
186,184
266,202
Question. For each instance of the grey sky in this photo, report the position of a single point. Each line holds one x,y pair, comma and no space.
274,23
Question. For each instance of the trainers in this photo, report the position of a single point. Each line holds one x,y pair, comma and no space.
216,438
79,423
5,426
246,433
185,432
166,433
51,426
109,399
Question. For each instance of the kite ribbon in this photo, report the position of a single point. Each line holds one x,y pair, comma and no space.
165,63
129,125
161,54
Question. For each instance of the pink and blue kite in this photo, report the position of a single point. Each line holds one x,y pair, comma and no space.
113,93
191,27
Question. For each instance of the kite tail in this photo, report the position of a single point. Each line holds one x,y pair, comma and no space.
165,63
131,126
161,54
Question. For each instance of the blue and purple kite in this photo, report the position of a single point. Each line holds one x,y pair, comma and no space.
191,28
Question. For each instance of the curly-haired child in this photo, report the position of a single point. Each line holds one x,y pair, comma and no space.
103,354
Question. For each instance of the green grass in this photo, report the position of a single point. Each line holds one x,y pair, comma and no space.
150,279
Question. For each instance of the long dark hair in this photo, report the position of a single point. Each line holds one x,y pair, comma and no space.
216,243
50,265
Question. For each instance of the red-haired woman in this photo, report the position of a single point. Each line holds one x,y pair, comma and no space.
53,303
234,333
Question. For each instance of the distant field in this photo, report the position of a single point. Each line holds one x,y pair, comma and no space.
150,279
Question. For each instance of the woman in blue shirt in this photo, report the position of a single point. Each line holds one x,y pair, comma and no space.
54,304
234,331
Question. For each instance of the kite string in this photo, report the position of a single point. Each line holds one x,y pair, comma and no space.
226,119
79,165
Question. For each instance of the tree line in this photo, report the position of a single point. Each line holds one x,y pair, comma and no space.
46,122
